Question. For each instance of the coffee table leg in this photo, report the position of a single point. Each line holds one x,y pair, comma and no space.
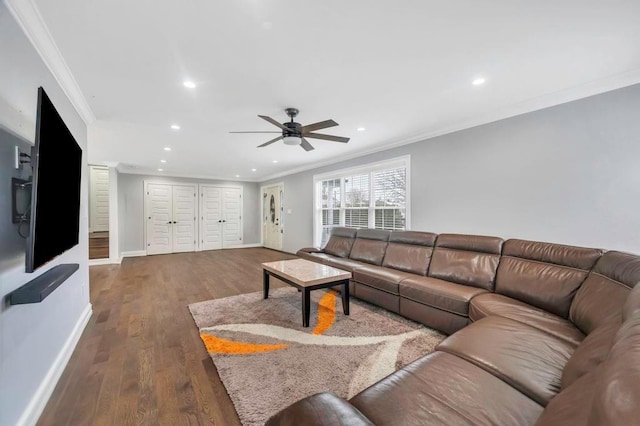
345,297
306,307
265,283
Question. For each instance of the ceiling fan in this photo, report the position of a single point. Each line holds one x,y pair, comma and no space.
295,133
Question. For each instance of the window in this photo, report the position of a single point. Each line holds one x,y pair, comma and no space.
372,196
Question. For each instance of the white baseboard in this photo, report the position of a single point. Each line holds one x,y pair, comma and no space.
107,261
237,246
40,398
135,253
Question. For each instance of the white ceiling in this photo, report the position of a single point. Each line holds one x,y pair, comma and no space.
402,70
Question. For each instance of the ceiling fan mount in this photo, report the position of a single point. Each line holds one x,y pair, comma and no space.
293,133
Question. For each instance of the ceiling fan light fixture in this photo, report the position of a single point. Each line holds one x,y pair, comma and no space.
292,140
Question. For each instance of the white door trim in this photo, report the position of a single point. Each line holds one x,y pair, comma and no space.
282,221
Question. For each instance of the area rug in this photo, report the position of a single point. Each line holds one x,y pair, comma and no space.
267,360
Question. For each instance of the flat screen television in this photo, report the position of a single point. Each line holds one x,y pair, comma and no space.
55,198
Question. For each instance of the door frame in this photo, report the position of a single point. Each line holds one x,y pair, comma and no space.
282,222
200,220
145,208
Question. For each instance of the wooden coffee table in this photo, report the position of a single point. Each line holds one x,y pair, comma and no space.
306,276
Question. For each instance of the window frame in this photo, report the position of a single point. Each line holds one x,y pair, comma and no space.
370,169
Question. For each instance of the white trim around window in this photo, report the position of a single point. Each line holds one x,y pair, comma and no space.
368,205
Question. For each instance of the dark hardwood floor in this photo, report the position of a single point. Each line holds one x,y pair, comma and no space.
140,361
99,245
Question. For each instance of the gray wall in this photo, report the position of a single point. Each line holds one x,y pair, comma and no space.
33,336
567,174
131,206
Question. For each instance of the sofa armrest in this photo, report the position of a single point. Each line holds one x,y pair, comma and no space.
311,250
322,409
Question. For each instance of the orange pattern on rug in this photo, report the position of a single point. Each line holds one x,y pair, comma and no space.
326,318
222,346
326,313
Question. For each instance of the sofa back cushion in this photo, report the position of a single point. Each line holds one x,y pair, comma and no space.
617,388
466,259
341,242
370,246
605,290
409,251
544,275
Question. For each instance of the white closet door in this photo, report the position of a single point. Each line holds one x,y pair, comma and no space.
232,211
184,218
211,217
99,199
159,218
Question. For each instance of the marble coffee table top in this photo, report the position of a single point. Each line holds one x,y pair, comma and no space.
306,273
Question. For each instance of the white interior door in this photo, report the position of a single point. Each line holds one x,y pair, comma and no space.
184,218
210,217
232,217
159,218
272,218
99,199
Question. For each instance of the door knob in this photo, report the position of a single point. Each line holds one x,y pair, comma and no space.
169,223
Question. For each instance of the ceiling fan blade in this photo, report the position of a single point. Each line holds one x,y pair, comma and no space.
257,132
274,122
270,142
327,137
317,126
306,145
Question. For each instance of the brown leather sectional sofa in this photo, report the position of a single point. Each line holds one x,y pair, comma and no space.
540,333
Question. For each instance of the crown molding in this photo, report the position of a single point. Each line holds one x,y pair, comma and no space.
129,171
547,100
27,15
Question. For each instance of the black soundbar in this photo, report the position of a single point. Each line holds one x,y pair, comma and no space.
36,290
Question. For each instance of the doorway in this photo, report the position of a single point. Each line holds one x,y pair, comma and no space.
272,216
98,212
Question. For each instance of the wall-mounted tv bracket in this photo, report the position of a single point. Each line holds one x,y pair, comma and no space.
20,196
21,158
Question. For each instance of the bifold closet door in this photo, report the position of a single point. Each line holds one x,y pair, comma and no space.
99,199
231,217
211,217
171,218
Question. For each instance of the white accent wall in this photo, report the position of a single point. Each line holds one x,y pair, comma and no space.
36,340
568,174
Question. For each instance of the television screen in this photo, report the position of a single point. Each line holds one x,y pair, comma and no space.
55,198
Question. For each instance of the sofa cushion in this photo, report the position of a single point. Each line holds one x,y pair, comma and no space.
571,406
322,409
409,251
379,277
544,275
496,304
603,293
617,389
336,262
442,389
370,246
439,294
528,359
590,353
466,259
340,242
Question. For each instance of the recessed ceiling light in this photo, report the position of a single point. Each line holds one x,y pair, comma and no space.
478,81
254,170
189,84
237,175
166,148
163,161
361,129
275,161
175,127
160,170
